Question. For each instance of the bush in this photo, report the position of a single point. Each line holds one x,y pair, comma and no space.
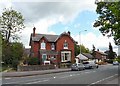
33,61
15,63
109,61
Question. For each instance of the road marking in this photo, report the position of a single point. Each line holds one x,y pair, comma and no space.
7,78
102,80
37,82
90,72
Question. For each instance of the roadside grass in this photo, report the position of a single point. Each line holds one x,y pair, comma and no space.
6,69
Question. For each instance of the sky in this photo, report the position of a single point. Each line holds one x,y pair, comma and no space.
57,16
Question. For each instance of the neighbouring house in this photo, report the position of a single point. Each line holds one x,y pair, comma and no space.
89,56
57,49
100,55
84,57
81,57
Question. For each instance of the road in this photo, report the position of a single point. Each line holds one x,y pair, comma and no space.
102,75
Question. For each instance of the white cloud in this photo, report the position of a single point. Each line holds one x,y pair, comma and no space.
100,42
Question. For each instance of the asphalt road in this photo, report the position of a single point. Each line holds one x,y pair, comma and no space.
102,75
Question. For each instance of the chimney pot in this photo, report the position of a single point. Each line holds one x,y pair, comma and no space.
34,31
69,32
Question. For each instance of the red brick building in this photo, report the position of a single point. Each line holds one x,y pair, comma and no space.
100,55
54,48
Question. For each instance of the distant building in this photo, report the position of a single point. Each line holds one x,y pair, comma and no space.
100,55
55,48
26,52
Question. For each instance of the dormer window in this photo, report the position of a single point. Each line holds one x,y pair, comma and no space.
53,46
43,45
65,46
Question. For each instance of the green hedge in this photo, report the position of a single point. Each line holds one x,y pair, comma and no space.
33,61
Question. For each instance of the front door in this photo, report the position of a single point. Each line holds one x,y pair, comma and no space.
44,57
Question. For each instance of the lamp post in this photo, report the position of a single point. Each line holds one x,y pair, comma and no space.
80,39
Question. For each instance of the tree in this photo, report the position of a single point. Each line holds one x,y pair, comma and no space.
109,19
93,51
11,22
12,54
83,49
111,54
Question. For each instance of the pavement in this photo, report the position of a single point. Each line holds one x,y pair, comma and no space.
31,73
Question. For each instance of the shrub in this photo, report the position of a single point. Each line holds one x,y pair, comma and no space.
15,63
33,61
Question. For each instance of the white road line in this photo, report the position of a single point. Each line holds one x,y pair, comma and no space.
37,82
90,72
65,77
7,78
102,80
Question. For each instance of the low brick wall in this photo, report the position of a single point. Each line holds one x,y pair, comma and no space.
35,67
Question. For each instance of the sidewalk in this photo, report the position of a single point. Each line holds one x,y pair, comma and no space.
31,73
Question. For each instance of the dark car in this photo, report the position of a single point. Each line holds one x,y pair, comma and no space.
90,65
77,66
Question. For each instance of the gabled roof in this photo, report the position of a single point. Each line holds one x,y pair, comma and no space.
82,57
102,53
88,55
49,37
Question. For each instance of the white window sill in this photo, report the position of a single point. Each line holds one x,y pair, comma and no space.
65,48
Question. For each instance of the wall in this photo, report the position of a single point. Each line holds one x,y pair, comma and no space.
35,67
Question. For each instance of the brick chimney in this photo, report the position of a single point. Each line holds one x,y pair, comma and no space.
69,32
34,31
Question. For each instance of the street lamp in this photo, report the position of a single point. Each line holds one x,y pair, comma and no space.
80,39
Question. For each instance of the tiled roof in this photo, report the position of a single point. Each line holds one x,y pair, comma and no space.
102,53
50,38
88,55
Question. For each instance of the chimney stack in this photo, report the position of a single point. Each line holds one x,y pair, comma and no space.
69,32
34,31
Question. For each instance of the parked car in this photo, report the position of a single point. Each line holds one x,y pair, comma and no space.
115,63
90,65
77,66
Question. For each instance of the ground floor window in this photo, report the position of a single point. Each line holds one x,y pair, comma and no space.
65,56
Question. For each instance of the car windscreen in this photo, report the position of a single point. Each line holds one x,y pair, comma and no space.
85,62
74,64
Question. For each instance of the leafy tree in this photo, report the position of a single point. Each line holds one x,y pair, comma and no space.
111,54
11,22
12,53
93,51
109,19
33,61
6,53
17,50
83,49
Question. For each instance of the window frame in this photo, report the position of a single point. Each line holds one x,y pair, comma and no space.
65,45
52,46
43,45
63,56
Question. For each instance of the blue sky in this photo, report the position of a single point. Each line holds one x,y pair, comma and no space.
57,16
82,22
